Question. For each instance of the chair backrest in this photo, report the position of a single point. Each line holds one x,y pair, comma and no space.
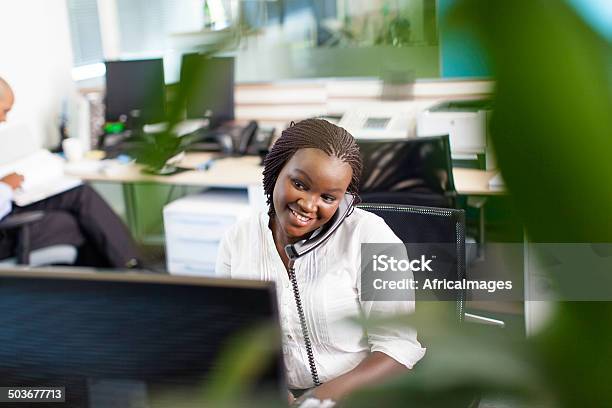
439,231
415,171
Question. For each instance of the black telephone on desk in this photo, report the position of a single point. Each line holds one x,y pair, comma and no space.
301,248
230,140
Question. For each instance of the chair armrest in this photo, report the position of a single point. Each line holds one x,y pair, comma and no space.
18,220
22,222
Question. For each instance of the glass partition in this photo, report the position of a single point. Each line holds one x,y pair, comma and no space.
337,38
271,39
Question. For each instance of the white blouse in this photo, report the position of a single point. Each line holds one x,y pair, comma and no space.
6,195
329,284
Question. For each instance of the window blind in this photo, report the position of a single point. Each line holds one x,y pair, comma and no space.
85,32
144,25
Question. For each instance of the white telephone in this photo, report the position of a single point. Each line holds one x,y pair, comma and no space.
382,120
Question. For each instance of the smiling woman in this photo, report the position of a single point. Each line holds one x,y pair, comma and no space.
306,176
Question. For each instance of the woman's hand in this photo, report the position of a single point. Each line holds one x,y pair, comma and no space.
290,397
14,180
376,368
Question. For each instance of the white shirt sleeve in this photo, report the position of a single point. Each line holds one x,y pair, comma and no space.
6,197
397,341
223,265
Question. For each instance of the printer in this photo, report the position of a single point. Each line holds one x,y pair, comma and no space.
194,226
466,122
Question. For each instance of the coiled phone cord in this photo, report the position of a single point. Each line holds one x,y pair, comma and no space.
305,333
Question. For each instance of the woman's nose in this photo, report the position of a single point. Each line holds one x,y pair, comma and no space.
308,203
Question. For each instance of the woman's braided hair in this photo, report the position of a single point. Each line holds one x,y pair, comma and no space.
311,133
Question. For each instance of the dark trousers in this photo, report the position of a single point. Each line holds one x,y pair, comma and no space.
82,218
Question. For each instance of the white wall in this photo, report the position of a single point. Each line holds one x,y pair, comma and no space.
36,59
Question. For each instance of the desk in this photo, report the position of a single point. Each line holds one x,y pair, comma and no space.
238,172
241,172
233,172
475,182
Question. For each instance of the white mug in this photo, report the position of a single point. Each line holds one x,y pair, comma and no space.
73,149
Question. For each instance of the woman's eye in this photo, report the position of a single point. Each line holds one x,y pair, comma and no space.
329,199
298,185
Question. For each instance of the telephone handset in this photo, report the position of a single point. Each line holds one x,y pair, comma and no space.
301,248
321,235
229,139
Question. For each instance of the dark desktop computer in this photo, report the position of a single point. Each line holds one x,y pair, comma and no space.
135,91
208,84
130,340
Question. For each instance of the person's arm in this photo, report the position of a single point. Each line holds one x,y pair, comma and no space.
8,183
394,348
374,369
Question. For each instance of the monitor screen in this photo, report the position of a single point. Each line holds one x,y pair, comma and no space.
209,85
126,337
135,89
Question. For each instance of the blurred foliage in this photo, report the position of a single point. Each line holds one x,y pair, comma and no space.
395,32
551,126
153,150
552,133
386,27
463,362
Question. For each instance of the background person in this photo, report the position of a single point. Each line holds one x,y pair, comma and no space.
78,217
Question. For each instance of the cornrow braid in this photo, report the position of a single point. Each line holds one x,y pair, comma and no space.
311,133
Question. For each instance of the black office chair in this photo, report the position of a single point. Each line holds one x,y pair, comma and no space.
440,232
408,171
417,171
23,254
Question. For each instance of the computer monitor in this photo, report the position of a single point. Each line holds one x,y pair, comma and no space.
135,90
127,337
416,171
209,86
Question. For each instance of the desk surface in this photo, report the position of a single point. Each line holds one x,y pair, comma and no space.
242,172
475,182
229,172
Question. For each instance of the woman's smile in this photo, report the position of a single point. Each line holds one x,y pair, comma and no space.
299,217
